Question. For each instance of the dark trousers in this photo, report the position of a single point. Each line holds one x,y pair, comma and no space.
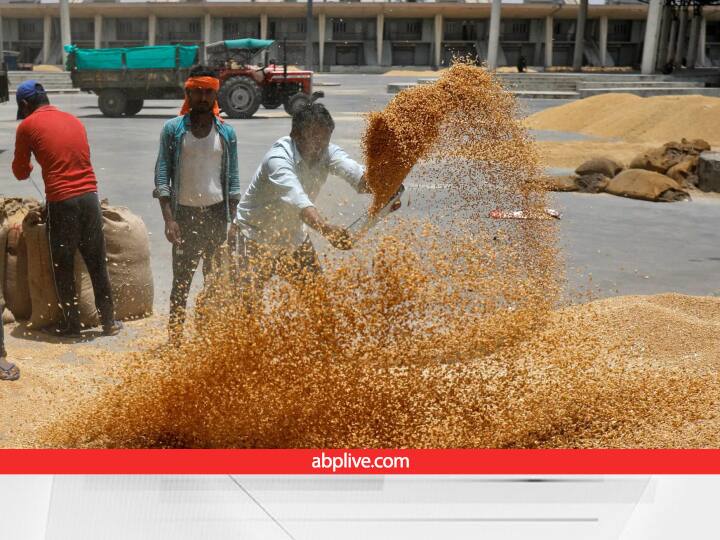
202,232
258,264
76,224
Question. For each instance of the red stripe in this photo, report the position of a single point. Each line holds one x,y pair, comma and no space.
301,461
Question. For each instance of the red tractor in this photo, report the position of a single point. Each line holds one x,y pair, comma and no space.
246,84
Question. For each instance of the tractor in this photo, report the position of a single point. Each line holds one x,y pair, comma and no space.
246,83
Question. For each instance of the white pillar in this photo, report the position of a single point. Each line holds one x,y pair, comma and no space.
321,39
682,28
603,40
98,27
380,30
549,23
692,42
579,51
2,42
152,29
263,26
652,30
438,40
494,36
206,36
664,37
47,36
65,34
671,42
702,33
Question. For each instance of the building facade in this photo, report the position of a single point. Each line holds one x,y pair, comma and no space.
367,35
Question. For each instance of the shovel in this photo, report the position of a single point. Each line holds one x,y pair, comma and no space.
364,223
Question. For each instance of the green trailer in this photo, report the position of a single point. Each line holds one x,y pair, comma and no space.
123,78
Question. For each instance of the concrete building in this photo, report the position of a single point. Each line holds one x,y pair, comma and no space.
375,35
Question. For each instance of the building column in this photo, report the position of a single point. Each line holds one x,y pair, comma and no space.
98,28
671,41
652,30
65,34
47,36
494,35
664,37
321,40
682,29
380,30
702,33
549,23
603,40
263,26
438,40
2,42
579,51
152,29
206,36
693,41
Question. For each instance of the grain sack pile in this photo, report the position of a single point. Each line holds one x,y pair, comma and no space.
128,263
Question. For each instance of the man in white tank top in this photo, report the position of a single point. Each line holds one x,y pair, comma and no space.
197,182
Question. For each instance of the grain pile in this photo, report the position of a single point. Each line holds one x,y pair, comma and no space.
443,332
635,119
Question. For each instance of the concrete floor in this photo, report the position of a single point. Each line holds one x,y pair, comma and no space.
614,245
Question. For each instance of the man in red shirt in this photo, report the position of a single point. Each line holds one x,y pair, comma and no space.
59,143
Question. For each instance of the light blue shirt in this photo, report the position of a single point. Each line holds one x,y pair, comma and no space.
284,184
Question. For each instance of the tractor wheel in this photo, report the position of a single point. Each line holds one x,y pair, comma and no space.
296,102
112,102
239,97
133,107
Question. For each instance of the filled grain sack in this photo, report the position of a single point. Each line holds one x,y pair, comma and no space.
7,316
646,185
657,159
16,286
16,290
685,172
562,183
43,294
128,264
592,182
599,165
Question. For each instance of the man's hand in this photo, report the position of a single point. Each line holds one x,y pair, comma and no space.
338,237
172,231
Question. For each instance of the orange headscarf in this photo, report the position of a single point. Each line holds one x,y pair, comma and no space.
210,83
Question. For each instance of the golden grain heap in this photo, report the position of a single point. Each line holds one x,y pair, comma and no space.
444,330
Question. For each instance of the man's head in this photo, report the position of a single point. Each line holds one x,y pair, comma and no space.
29,96
312,127
201,90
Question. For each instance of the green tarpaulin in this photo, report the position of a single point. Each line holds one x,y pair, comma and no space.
157,57
248,43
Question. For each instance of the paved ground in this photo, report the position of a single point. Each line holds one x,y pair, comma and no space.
626,246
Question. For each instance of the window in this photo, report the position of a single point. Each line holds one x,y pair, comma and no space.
131,29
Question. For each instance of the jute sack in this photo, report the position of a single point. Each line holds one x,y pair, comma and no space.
646,185
602,165
43,294
128,264
562,183
16,286
4,229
